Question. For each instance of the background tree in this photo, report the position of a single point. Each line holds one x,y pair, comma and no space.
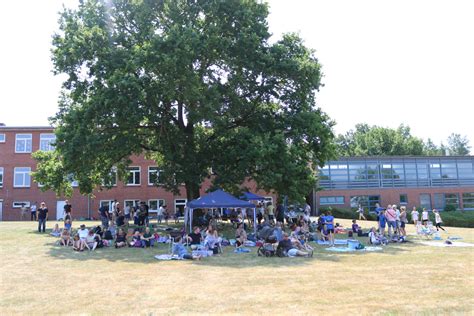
195,85
379,141
458,145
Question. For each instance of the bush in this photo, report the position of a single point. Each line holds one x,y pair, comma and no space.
346,213
450,208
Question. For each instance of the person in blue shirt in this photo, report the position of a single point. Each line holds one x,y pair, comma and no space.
329,224
180,250
382,222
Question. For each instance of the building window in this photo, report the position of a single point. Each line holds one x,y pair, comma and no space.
451,199
1,177
2,138
179,206
47,141
23,143
133,176
106,203
366,201
20,204
425,201
131,204
154,176
468,201
267,199
331,200
155,204
21,177
74,182
403,199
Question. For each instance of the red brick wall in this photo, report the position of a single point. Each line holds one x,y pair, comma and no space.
392,195
9,160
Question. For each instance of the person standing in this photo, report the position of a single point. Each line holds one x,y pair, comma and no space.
33,212
361,213
160,213
270,212
391,220
415,216
24,211
113,211
329,223
42,217
67,211
403,220
397,219
104,215
438,220
126,212
425,216
382,222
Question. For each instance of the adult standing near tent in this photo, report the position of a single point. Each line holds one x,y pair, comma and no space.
280,213
271,213
42,217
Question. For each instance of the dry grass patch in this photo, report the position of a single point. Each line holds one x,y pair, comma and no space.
38,277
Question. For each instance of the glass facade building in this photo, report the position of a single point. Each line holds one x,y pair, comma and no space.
397,172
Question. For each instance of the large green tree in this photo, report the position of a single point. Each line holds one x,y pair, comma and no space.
458,145
194,85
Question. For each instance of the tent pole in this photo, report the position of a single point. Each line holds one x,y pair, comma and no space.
255,221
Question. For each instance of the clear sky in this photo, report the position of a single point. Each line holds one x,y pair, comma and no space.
384,62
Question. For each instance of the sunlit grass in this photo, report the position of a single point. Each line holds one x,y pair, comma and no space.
38,277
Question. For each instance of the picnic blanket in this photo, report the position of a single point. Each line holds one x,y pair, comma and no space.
168,257
443,244
242,250
347,249
336,242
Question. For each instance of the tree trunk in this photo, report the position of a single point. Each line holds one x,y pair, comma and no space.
192,191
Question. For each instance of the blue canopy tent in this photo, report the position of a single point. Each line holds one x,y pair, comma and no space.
249,196
216,199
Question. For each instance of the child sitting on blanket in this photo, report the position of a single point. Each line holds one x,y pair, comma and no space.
56,232
180,250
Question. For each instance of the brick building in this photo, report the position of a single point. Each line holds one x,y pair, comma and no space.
17,186
431,182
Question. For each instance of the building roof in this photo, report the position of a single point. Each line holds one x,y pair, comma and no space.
25,128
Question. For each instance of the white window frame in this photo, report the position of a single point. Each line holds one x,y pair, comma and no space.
135,202
108,201
3,137
2,177
26,142
157,175
18,204
157,203
24,177
268,199
49,138
335,200
139,176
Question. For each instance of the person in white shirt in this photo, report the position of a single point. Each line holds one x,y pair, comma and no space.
425,216
33,212
83,232
438,220
415,216
160,213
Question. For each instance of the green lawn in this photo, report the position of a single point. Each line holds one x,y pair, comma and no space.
37,277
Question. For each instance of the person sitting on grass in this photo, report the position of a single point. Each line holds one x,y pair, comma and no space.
66,238
278,232
83,232
137,240
56,232
77,243
90,241
148,238
121,240
287,248
240,235
212,239
180,250
194,238
376,238
112,228
355,226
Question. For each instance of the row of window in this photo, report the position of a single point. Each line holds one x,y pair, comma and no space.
22,177
440,200
24,142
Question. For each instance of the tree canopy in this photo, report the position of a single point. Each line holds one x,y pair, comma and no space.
374,140
195,86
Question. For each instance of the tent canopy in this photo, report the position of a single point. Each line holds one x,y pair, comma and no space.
218,199
249,196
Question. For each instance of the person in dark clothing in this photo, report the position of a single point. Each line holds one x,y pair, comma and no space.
287,248
67,211
104,215
42,217
195,238
280,213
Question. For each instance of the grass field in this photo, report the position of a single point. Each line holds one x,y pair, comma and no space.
37,278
